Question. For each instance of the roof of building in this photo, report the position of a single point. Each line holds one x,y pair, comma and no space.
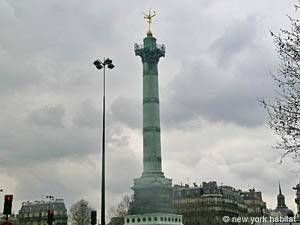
34,206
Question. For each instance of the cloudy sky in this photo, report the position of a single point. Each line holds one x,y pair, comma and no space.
219,55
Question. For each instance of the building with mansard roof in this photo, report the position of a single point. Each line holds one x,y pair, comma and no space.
209,203
254,202
36,212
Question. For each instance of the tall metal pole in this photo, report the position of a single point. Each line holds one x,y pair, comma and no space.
99,65
103,154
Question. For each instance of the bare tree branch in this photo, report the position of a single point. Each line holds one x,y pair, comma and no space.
80,213
284,109
122,208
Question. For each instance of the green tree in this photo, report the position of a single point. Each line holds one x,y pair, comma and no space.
284,108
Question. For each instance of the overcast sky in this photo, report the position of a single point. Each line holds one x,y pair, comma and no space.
219,55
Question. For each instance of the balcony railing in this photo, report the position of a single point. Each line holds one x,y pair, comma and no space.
139,47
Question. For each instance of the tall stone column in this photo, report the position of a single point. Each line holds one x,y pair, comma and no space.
153,192
150,53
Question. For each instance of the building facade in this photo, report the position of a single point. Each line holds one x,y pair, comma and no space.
36,213
256,207
210,204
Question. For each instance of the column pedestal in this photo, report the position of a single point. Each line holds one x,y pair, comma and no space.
153,219
152,194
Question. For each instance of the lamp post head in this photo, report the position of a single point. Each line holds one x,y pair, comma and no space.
107,61
110,66
98,64
99,67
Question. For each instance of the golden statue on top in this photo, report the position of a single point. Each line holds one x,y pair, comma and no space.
149,17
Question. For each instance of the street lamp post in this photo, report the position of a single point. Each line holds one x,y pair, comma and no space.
99,65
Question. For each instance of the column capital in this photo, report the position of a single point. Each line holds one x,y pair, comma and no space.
150,51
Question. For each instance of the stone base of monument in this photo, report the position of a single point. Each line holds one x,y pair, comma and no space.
153,219
152,194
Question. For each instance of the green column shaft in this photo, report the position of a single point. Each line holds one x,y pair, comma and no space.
152,191
150,53
151,120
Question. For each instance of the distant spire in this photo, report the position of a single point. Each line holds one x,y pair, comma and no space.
280,198
280,189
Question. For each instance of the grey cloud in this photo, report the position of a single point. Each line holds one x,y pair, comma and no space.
127,111
202,90
87,116
237,37
76,177
52,116
120,179
42,138
51,48
69,35
117,136
16,75
35,145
